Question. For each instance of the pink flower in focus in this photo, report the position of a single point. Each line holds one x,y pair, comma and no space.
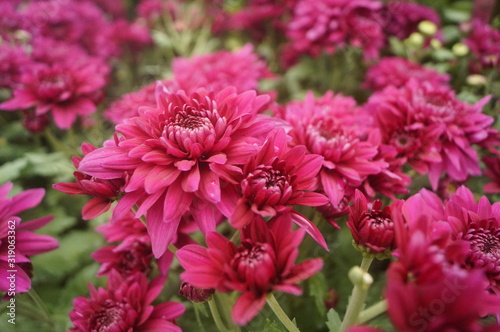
398,71
484,42
64,89
493,172
427,289
372,229
265,261
104,192
404,17
27,243
178,154
241,69
274,180
479,225
318,123
125,306
432,129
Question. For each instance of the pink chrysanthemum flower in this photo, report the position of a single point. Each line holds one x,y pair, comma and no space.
178,153
324,26
13,60
427,289
265,261
125,306
484,42
322,125
372,229
404,17
274,180
479,225
104,192
398,71
18,242
432,129
241,69
64,89
493,172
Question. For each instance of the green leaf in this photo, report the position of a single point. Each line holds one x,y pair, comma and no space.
333,321
456,15
318,288
11,170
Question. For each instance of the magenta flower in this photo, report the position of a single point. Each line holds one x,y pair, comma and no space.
18,242
12,62
241,69
398,71
479,225
274,180
104,192
125,306
178,153
372,229
64,89
404,17
493,172
484,42
432,129
327,127
265,261
324,26
427,288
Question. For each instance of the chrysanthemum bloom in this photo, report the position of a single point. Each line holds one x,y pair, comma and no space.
403,17
125,306
12,62
398,71
484,42
264,262
427,289
327,127
64,89
104,192
18,242
133,252
178,153
432,129
325,25
493,172
372,229
276,179
241,69
479,225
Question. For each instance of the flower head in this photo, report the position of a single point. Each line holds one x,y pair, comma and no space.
178,153
493,172
484,42
277,178
27,243
372,229
265,261
398,71
125,306
405,17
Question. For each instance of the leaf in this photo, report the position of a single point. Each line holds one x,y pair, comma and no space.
318,288
11,170
333,321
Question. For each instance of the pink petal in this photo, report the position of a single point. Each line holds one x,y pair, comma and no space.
22,99
310,228
64,116
242,214
209,186
95,207
247,307
310,198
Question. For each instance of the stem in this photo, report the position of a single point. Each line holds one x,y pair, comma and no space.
226,304
215,314
362,281
271,300
372,312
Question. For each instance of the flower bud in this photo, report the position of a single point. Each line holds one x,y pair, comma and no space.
476,80
194,294
427,28
460,49
416,40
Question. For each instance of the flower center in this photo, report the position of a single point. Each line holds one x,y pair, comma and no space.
254,264
54,86
110,318
192,130
266,186
484,249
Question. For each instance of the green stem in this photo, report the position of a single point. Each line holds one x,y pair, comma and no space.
372,312
362,281
271,300
226,305
215,314
39,303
